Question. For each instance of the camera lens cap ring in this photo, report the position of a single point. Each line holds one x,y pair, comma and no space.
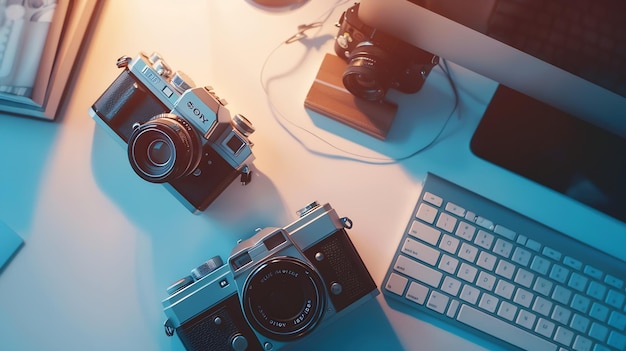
164,148
284,298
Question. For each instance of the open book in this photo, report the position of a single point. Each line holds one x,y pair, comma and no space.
39,43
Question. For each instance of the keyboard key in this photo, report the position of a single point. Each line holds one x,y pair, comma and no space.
577,282
615,299
438,302
524,278
505,232
503,330
433,199
540,265
455,209
593,272
542,306
465,231
507,310
552,253
598,332
484,239
469,294
521,256
488,302
418,271
449,243
423,232
559,273
545,327
533,245
573,263
486,281
484,222
486,260
526,319
562,295
543,286
396,284
503,248
426,213
596,290
467,272
617,320
505,289
448,264
505,269
579,323
599,311
420,251
451,286
582,344
452,308
617,340
523,297
580,303
561,314
417,293
613,281
468,252
446,222
564,336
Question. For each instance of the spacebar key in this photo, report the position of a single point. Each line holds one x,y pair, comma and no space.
502,330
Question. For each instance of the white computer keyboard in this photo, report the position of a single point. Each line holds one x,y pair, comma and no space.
487,269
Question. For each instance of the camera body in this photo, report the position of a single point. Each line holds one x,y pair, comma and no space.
378,61
275,288
176,134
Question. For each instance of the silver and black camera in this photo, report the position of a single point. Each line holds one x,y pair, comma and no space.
378,61
176,134
275,289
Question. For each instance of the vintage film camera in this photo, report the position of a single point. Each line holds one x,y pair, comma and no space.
178,135
275,289
378,61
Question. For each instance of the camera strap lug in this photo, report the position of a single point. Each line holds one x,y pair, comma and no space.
347,222
246,175
123,61
169,328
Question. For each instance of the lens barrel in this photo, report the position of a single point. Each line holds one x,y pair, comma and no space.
284,298
368,74
164,148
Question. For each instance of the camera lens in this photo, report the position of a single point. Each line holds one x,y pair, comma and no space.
164,148
368,74
284,298
159,152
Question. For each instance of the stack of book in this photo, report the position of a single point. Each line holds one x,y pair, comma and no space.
39,44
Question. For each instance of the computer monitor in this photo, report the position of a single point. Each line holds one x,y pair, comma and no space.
578,68
591,86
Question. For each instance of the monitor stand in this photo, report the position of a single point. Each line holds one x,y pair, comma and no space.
555,149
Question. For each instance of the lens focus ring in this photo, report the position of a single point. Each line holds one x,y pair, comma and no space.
164,148
368,74
284,298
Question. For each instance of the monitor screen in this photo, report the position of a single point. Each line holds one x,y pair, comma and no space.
570,54
566,57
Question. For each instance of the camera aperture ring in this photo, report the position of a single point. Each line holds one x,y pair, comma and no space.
164,148
284,298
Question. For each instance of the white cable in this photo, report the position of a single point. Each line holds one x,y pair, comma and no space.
348,155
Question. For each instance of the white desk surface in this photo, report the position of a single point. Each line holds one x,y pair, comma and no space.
101,245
